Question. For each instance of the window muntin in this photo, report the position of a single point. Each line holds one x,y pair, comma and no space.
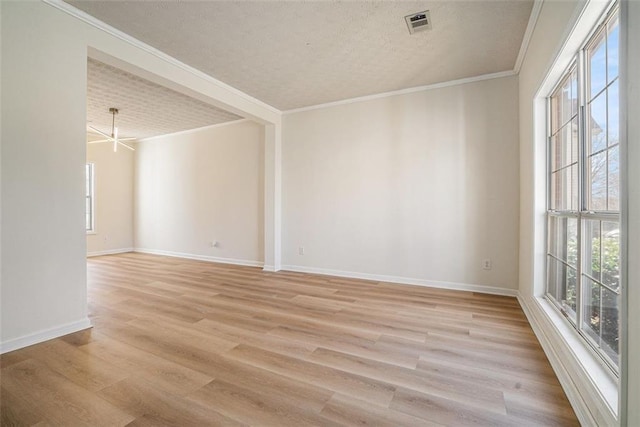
583,224
89,199
564,145
562,262
602,119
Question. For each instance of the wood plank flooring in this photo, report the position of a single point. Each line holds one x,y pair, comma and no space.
187,343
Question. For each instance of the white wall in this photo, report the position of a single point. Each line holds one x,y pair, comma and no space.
43,157
420,187
44,56
200,186
113,218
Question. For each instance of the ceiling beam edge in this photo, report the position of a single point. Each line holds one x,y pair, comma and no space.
271,114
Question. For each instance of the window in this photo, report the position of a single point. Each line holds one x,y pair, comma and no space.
583,204
89,202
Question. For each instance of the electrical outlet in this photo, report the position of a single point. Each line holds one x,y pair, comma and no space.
214,244
486,264
301,250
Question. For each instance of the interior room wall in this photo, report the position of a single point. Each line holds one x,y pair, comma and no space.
43,97
113,199
198,187
43,158
417,188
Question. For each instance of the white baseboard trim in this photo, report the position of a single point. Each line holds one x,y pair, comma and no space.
270,268
404,280
45,335
590,388
109,252
243,262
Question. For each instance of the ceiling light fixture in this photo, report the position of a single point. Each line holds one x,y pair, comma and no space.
114,134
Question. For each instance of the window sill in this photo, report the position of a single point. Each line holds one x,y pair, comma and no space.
89,233
589,384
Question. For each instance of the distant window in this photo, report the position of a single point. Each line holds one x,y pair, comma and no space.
583,237
89,188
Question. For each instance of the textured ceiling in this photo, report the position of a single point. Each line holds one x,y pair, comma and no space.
146,108
292,54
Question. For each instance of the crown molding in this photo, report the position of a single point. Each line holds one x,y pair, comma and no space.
480,78
96,23
526,39
187,131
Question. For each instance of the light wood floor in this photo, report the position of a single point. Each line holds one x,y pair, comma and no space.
180,342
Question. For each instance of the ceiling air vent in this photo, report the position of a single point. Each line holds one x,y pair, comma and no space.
418,21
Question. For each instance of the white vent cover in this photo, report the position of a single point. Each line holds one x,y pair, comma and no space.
418,21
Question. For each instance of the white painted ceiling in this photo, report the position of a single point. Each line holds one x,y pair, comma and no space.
292,54
145,109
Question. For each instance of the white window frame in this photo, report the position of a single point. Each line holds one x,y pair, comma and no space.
592,388
582,214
